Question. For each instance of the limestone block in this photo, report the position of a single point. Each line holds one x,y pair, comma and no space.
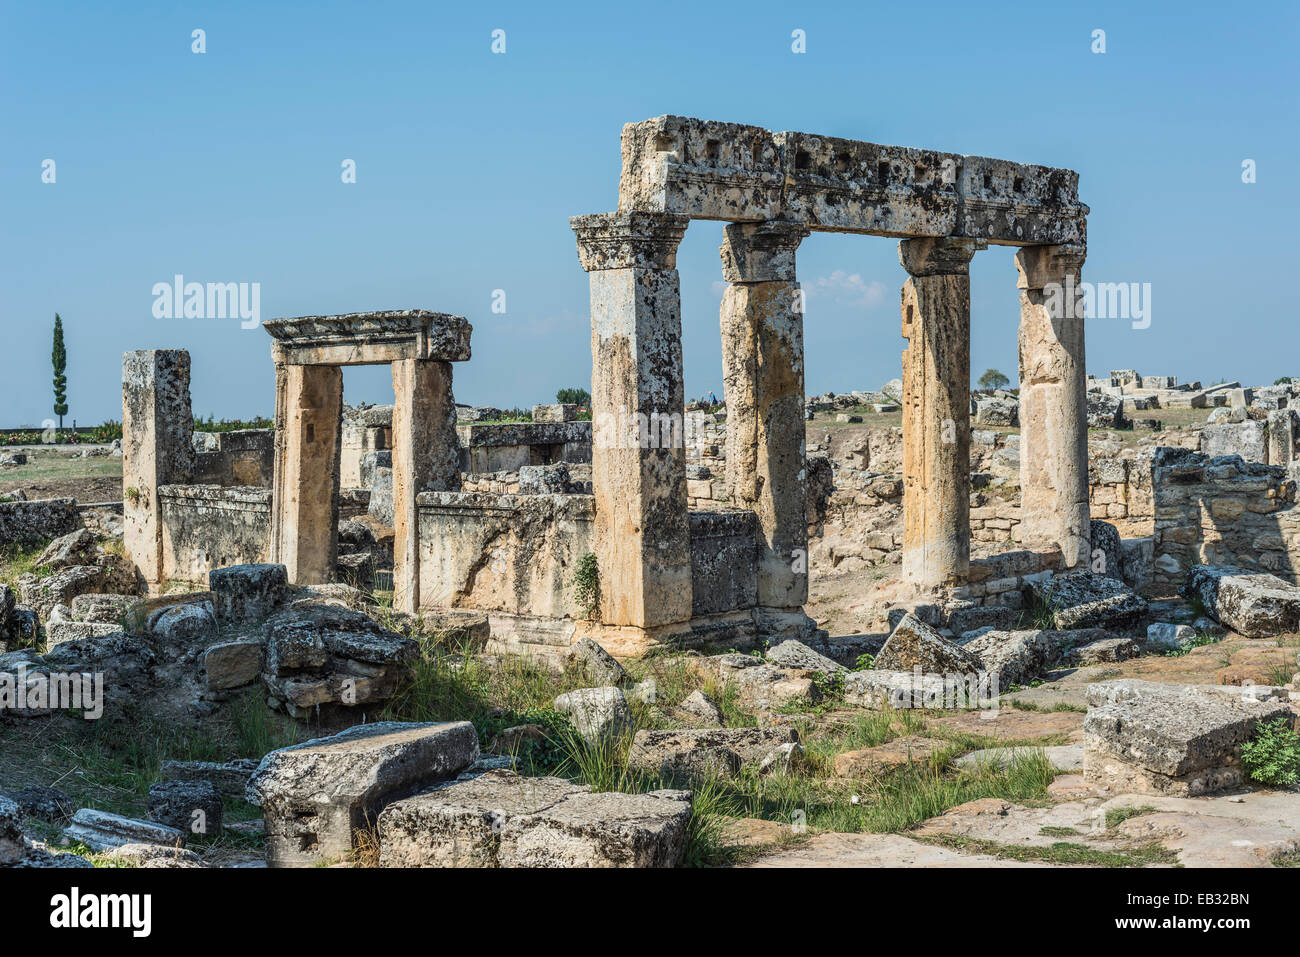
1177,740
1255,605
671,752
247,592
1086,600
913,644
193,807
232,664
796,654
598,714
101,830
460,824
315,795
609,829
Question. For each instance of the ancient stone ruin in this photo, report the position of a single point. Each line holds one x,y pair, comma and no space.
594,621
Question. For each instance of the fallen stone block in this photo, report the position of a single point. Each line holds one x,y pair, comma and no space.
155,855
17,850
499,819
1181,741
1063,757
763,687
795,654
42,594
100,830
459,824
1128,689
248,592
609,829
75,548
1104,651
320,655
877,689
699,708
228,777
194,807
599,666
232,664
598,714
1086,600
1257,605
315,796
677,752
914,644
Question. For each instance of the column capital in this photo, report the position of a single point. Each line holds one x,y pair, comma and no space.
629,240
938,257
1040,265
761,252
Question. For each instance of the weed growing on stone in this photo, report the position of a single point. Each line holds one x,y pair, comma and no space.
1272,755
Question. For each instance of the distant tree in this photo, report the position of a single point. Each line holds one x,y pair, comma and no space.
60,357
573,397
993,379
1284,380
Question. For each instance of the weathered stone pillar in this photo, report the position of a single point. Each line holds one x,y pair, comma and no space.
936,411
157,449
425,458
638,456
1053,402
762,369
305,519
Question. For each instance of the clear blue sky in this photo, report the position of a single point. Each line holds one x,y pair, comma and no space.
225,166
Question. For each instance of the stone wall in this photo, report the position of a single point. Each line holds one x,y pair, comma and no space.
207,526
245,457
511,556
1221,510
508,446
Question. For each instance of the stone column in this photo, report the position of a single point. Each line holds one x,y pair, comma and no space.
1053,403
762,368
305,520
425,458
157,449
638,460
936,411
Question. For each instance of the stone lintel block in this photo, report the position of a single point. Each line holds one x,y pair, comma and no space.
761,252
361,338
740,173
629,240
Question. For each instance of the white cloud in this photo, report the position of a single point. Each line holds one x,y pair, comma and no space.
849,288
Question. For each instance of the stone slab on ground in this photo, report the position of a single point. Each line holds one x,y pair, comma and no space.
102,830
1086,600
608,829
834,849
499,819
1063,757
1257,605
905,750
459,824
316,795
674,752
1167,739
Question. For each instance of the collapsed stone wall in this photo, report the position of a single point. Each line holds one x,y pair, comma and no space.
1212,510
